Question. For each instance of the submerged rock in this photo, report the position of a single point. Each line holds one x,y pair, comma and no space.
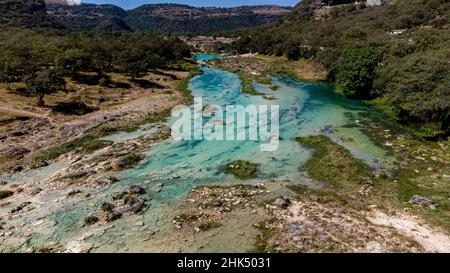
124,162
137,189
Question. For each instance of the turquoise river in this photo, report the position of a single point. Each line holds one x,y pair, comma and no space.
305,109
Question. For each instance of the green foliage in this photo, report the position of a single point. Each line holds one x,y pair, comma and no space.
242,169
74,60
90,220
26,13
27,54
362,54
104,81
44,82
333,164
133,157
419,86
86,144
355,72
107,207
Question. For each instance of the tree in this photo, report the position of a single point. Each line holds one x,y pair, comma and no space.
75,60
8,73
133,62
293,53
43,83
100,53
355,71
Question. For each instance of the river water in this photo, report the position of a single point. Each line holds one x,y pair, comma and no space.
305,109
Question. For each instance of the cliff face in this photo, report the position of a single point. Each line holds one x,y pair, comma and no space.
26,13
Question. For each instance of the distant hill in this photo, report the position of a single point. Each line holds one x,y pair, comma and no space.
26,13
89,17
162,17
183,18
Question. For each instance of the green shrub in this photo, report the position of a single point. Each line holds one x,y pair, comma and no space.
355,71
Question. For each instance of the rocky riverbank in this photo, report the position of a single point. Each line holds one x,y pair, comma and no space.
258,68
52,161
32,136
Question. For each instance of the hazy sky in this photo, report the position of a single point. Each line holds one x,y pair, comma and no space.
128,4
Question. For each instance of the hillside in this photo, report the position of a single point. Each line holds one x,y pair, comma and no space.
182,18
394,55
163,17
89,17
26,13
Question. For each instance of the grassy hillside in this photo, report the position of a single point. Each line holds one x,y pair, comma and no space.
90,17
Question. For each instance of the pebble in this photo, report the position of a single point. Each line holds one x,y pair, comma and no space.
237,202
314,198
282,202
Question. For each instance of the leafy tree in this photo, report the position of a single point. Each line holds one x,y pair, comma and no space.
43,83
133,61
74,60
101,55
293,53
419,88
355,71
8,72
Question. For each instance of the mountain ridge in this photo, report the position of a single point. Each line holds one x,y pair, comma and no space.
163,17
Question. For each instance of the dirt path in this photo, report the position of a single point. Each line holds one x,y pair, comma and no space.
7,109
430,240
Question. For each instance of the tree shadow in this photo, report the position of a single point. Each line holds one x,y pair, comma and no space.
123,85
87,79
73,108
173,77
21,91
147,84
